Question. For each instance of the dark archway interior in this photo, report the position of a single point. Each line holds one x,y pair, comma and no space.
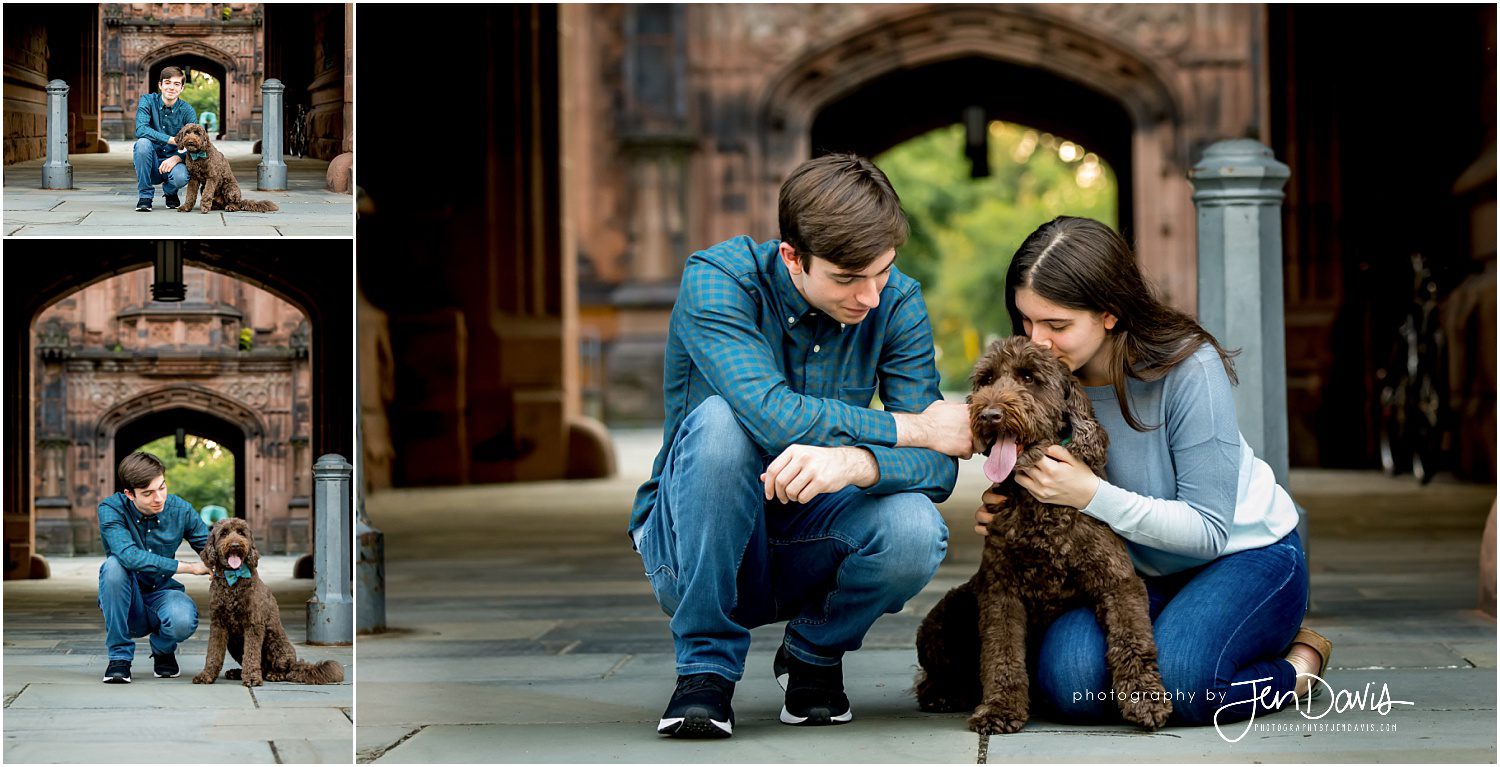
165,423
189,63
910,102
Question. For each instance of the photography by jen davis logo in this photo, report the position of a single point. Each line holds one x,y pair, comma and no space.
1338,702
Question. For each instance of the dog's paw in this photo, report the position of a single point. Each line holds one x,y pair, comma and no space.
251,680
1149,710
183,208
205,209
233,673
990,719
203,677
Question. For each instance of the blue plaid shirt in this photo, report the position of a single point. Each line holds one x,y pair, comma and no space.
147,545
795,376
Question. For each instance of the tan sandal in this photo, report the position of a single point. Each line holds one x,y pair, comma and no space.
1321,645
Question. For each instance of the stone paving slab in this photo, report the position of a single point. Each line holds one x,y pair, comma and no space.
309,230
64,230
167,751
307,751
47,202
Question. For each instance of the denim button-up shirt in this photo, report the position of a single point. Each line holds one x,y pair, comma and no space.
157,121
147,545
793,375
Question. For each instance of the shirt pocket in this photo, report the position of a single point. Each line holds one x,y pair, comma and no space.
858,396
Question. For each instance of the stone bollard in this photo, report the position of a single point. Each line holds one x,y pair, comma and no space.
1237,189
330,611
271,174
57,173
370,574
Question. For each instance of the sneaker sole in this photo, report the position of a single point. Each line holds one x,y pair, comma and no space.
172,675
117,680
815,719
694,727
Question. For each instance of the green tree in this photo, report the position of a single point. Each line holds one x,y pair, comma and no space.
965,230
201,91
205,476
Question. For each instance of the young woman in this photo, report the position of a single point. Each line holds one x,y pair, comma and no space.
1208,527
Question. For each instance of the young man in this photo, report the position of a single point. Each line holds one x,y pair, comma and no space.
779,494
158,117
142,528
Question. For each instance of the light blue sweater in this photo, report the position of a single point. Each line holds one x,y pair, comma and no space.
1190,491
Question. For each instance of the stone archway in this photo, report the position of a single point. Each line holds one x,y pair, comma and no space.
255,496
239,98
1026,38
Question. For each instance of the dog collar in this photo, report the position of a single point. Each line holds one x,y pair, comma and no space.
243,573
199,156
1067,431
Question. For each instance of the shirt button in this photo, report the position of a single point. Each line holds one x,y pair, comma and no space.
817,349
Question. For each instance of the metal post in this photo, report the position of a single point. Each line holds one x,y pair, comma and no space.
369,574
1238,194
330,611
57,173
272,170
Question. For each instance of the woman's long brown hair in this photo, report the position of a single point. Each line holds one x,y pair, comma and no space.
1082,264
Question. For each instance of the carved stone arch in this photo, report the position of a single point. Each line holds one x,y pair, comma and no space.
1034,37
191,397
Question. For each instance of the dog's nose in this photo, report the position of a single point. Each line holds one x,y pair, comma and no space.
991,415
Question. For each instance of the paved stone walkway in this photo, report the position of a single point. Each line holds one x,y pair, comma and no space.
58,710
102,202
524,631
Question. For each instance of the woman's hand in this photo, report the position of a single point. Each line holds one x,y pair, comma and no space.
982,515
1060,479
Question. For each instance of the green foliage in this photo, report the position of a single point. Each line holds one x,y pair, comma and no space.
206,476
202,92
965,230
247,339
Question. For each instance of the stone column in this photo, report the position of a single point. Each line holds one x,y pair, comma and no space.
57,173
330,611
272,170
369,573
1238,193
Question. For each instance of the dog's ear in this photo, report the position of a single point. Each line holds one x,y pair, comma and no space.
253,557
210,552
1089,443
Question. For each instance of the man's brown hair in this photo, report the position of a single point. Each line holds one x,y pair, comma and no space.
842,209
168,73
139,470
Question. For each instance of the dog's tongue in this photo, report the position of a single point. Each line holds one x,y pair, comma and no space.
234,561
1001,460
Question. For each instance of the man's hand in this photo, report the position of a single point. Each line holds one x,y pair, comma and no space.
172,140
983,515
802,472
168,164
1060,479
943,426
192,568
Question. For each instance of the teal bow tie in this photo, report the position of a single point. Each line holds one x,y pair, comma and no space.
230,576
199,156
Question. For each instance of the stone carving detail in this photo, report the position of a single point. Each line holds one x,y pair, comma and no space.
1163,29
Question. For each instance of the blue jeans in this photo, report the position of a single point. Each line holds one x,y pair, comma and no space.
168,615
1225,622
147,176
722,560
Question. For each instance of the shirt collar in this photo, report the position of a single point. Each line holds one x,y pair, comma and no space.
793,305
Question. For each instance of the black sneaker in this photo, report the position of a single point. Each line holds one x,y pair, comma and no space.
166,665
143,205
173,202
699,708
118,672
814,694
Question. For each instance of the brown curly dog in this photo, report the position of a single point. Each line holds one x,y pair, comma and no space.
246,619
208,168
1039,559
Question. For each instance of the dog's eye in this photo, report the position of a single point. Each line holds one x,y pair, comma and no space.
1025,376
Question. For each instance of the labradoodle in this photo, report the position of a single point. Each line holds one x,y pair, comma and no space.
246,619
208,168
1039,559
